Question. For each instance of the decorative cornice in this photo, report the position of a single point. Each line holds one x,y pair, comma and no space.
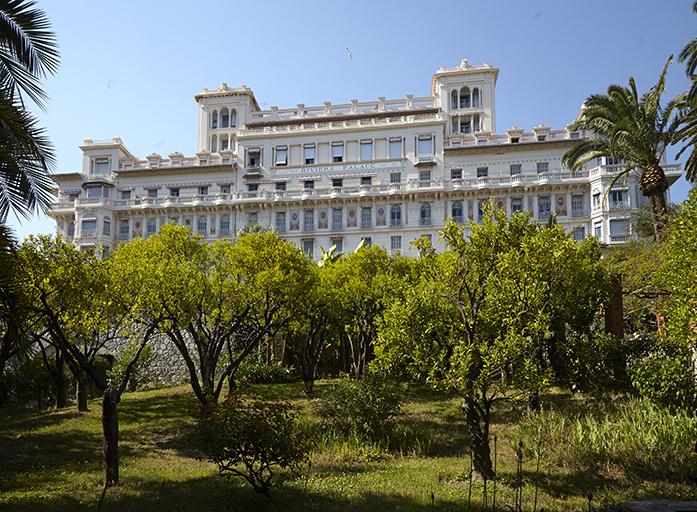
509,147
159,171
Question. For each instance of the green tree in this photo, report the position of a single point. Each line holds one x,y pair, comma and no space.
634,129
12,300
476,321
28,52
688,108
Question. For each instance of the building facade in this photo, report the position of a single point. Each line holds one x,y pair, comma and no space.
388,171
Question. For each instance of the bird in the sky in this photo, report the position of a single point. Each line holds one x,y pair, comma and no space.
349,53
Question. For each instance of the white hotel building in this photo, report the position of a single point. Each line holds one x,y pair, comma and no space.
389,171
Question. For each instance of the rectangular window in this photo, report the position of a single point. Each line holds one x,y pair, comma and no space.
107,228
456,174
596,201
309,155
516,205
101,166
425,146
366,150
89,227
598,230
254,157
125,194
308,246
105,191
253,218
252,187
282,155
337,183
174,192
152,192
541,138
223,145
366,218
337,218
617,196
338,152
339,244
203,191
482,172
308,184
395,148
366,180
544,207
368,241
425,175
309,220
542,167
280,185
94,191
280,222
395,177
224,189
396,243
516,169
579,233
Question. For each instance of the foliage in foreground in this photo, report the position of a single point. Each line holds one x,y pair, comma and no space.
249,439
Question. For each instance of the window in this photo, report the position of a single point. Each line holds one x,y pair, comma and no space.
456,174
254,157
596,200
337,152
395,177
308,184
152,192
125,194
617,196
252,218
366,150
252,187
395,148
475,97
233,118
516,205
366,218
425,218
619,227
225,225
454,99
309,155
89,227
106,227
202,225
396,243
457,212
174,192
366,180
73,197
544,207
101,166
425,146
105,191
425,175
542,167
465,97
203,191
94,191
337,218
515,140
337,183
280,185
282,155
579,233
577,206
482,172
339,244
223,145
280,222
214,120
224,189
224,118
395,215
516,169
151,228
308,246
541,138
123,230
368,241
598,230
71,230
575,135
309,220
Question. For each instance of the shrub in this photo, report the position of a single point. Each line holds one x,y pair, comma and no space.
365,407
262,373
250,439
667,381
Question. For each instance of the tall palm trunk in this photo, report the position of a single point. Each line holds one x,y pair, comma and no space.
653,184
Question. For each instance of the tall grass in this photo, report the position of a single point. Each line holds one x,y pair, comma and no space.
637,437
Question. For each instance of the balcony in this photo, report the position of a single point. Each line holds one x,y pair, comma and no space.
280,229
224,232
308,227
543,215
619,205
459,219
366,224
580,212
89,233
425,221
123,236
395,223
337,225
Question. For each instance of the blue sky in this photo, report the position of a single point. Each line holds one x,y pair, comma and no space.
131,69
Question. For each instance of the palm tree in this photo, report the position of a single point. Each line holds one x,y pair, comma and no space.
634,129
688,108
28,52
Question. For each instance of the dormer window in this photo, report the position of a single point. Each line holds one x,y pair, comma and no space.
101,166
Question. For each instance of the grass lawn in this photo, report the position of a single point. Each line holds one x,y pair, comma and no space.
51,460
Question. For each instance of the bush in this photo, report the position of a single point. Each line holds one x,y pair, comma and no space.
365,407
262,373
249,439
667,381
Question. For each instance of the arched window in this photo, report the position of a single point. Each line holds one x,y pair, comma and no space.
214,119
152,227
457,212
395,215
465,97
425,214
202,225
225,225
475,97
454,99
106,226
224,118
233,118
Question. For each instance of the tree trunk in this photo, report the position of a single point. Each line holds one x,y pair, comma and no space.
62,383
110,427
653,184
81,392
481,455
